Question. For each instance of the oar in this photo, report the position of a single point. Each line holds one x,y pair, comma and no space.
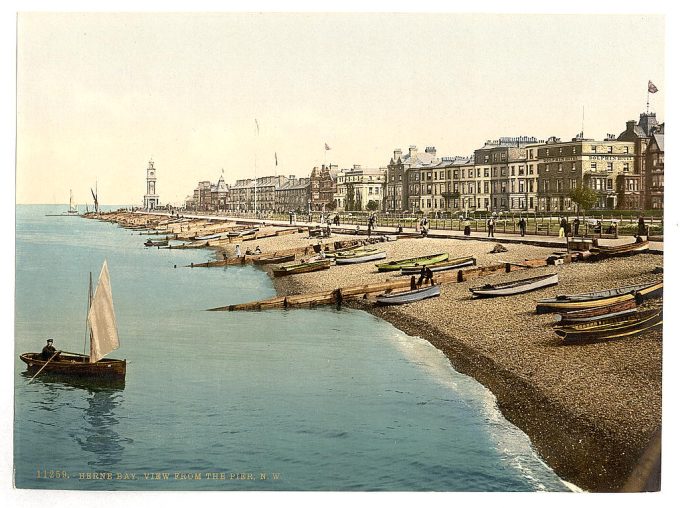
41,368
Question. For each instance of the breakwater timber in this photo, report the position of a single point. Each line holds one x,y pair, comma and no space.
590,410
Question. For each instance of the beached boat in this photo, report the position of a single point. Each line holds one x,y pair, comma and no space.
393,266
303,267
103,333
620,250
562,321
515,287
156,243
269,260
361,257
450,264
562,303
409,296
214,236
592,313
614,328
242,232
351,251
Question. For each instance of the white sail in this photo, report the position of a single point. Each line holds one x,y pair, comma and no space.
102,319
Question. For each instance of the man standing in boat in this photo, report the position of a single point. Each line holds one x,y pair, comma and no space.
49,350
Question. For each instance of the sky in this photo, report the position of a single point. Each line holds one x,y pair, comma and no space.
101,94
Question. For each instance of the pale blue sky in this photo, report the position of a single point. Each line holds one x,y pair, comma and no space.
99,94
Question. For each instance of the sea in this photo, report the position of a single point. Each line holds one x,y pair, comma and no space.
282,400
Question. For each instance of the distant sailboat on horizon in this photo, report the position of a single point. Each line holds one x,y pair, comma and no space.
72,209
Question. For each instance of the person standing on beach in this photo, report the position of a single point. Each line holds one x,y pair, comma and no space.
238,251
576,225
522,226
490,225
563,227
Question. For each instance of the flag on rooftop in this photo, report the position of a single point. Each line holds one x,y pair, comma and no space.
651,87
328,147
276,160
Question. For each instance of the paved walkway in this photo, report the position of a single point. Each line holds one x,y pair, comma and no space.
530,239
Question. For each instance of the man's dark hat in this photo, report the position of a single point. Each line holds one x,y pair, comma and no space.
50,340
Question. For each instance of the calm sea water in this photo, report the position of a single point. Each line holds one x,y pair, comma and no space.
319,399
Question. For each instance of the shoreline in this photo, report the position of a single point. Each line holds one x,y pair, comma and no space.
591,411
593,439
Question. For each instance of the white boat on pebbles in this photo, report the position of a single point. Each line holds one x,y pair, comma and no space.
412,295
515,287
360,257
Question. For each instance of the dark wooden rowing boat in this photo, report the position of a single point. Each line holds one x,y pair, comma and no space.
604,298
614,328
304,267
75,365
267,260
620,250
450,264
156,243
595,312
515,287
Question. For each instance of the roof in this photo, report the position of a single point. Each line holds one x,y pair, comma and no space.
420,160
659,140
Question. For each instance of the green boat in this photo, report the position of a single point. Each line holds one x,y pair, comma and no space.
450,264
352,251
412,262
310,266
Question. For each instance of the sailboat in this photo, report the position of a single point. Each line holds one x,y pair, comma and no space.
71,212
103,333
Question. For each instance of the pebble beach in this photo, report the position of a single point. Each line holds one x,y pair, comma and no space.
589,409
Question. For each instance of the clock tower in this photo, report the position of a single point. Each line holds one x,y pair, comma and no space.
151,198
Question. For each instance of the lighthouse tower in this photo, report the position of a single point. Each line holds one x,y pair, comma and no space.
150,198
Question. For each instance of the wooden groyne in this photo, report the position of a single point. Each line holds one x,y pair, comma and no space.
363,291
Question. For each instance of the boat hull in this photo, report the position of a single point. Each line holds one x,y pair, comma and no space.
394,266
616,328
621,250
516,287
76,366
413,295
599,299
350,260
451,264
274,259
301,268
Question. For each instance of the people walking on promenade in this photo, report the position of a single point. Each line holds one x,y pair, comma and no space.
522,226
490,224
577,223
642,228
563,227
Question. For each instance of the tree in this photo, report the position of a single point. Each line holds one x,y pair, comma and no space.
585,198
349,200
373,205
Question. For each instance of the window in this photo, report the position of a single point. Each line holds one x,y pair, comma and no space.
559,167
503,171
494,172
486,172
625,166
573,166
470,173
560,151
512,170
521,185
593,166
610,166
572,183
531,153
593,148
486,187
478,172
531,169
521,171
547,152
625,149
610,149
573,150
495,157
609,183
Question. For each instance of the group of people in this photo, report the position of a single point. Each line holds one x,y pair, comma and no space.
371,223
425,275
423,226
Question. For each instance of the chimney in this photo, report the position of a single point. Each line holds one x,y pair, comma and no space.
412,151
432,150
397,154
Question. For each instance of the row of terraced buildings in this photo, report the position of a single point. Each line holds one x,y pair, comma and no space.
510,174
